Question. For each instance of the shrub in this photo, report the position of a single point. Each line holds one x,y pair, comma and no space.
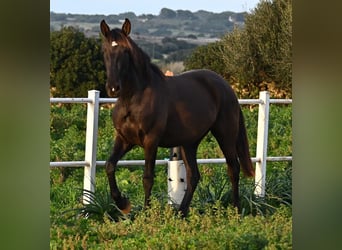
255,57
76,63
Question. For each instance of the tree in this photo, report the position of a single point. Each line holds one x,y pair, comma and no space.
256,56
167,13
207,57
259,55
76,63
186,14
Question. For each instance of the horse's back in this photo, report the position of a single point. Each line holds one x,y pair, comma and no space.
197,84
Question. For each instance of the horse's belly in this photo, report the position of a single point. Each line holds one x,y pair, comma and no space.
180,139
183,134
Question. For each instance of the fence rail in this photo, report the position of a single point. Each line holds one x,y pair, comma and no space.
159,162
93,101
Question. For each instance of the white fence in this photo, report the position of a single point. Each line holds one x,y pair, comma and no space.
93,102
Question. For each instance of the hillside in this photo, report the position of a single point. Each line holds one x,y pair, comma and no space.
169,23
168,37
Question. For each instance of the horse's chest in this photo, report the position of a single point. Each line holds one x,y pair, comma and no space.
129,127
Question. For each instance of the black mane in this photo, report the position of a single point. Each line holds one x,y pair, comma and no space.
144,65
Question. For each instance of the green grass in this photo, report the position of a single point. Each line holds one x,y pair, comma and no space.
212,223
213,226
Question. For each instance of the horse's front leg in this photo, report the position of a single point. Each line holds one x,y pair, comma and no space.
120,148
150,151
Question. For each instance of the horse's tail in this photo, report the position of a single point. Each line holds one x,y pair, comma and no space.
243,149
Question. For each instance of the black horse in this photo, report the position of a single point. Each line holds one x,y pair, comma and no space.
154,110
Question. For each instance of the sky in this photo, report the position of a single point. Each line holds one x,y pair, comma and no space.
108,7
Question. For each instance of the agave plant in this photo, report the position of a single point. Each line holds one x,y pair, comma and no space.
278,193
98,206
218,188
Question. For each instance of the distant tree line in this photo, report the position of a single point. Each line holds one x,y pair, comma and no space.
167,23
171,49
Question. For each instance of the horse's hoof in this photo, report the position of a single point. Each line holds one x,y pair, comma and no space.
127,209
126,206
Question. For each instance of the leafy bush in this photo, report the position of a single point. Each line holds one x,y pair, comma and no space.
76,63
208,57
255,57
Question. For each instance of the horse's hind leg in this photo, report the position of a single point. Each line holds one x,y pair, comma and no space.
192,176
227,145
234,175
119,149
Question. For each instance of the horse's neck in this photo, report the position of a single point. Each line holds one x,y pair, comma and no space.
147,70
144,74
142,92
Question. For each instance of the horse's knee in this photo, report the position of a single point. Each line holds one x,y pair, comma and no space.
110,168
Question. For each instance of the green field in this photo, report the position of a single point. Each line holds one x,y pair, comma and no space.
212,222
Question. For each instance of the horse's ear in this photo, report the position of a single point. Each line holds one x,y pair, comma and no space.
126,27
104,28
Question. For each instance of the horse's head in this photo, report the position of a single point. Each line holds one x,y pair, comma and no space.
117,56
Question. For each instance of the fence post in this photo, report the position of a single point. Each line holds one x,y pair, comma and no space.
91,143
262,139
176,177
